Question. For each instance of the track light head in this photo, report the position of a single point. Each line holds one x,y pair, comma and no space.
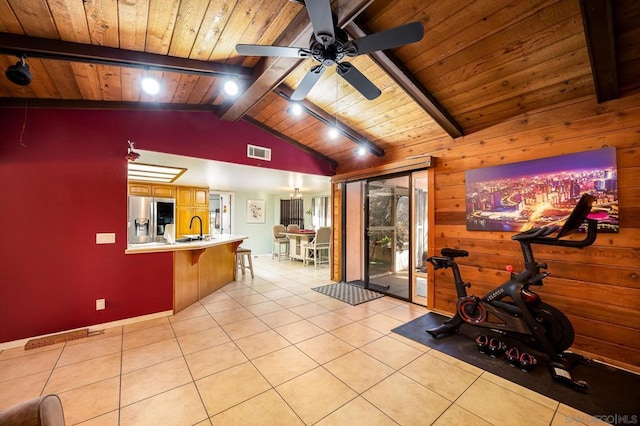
19,73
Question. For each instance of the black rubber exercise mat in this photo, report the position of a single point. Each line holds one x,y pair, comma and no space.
613,394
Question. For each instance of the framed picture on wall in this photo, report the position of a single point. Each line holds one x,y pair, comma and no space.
519,196
255,211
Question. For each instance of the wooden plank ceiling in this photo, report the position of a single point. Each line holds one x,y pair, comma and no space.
479,63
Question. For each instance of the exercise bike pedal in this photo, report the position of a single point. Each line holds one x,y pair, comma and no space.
560,374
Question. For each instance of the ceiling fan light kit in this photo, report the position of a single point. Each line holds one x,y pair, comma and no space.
329,45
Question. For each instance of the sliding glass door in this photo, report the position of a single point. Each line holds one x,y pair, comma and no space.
387,224
386,235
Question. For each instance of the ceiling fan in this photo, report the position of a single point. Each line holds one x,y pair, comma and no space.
329,45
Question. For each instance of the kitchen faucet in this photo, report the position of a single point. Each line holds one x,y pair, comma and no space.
191,224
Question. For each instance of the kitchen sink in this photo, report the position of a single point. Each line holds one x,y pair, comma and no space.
190,238
187,239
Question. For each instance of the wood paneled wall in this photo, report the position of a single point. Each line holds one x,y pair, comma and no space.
598,287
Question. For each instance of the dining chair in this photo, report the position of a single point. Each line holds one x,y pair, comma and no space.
280,241
292,227
314,249
45,410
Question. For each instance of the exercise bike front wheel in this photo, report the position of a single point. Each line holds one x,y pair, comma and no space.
558,328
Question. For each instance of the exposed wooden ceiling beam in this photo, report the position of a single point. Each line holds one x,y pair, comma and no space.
271,71
597,18
326,118
405,79
13,44
84,104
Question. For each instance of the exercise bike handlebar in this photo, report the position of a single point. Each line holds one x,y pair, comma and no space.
536,232
540,237
572,224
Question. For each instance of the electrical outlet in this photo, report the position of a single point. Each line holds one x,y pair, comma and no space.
105,238
100,304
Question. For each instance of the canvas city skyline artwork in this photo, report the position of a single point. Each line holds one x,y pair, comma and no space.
519,196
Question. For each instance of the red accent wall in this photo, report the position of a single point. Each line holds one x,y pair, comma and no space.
63,178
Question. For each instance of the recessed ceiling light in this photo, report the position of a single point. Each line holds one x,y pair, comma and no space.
361,150
150,85
333,133
231,87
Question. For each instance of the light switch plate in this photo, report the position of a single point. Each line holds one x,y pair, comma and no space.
106,238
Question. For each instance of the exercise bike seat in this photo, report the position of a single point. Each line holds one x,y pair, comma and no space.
453,253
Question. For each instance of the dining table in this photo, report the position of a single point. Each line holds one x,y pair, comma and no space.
297,239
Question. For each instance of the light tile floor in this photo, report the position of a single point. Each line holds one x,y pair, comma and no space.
271,351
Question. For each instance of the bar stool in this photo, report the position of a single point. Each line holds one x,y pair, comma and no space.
243,261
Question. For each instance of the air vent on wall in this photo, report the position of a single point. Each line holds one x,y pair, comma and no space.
259,152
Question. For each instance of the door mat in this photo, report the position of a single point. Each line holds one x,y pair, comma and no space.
612,396
348,293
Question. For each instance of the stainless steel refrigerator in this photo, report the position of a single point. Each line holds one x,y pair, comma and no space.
148,217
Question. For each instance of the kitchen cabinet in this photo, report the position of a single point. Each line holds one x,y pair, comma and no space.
193,196
163,191
184,196
192,201
139,189
183,219
151,190
201,197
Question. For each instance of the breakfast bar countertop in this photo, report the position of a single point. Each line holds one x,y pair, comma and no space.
215,240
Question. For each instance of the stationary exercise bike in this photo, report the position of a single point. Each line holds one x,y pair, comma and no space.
513,308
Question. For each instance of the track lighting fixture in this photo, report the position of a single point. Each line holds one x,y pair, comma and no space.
231,87
295,109
19,73
150,85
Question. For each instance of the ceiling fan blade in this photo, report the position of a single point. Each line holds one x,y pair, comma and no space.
361,83
257,50
388,39
322,21
307,83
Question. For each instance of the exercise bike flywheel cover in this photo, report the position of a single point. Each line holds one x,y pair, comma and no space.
470,310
